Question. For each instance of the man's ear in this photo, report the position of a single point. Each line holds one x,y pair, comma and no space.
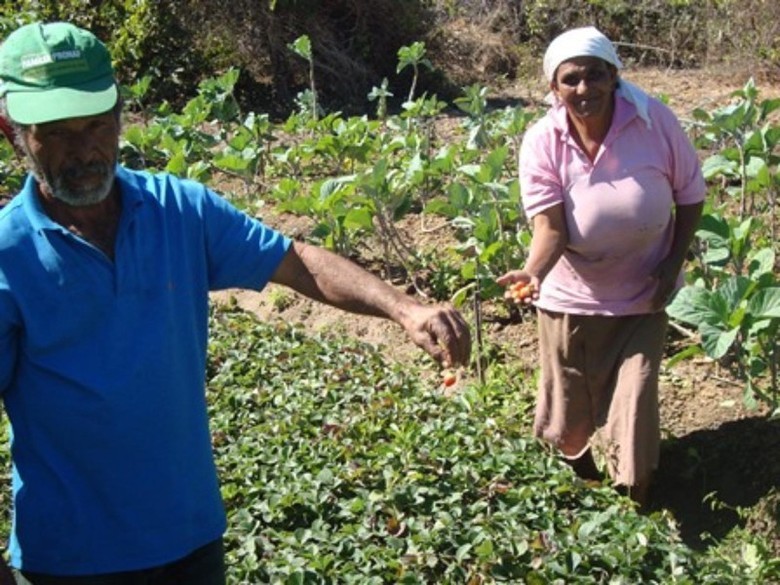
7,130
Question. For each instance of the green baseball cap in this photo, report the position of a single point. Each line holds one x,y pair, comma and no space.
55,71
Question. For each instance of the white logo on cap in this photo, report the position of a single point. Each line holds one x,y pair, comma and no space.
31,61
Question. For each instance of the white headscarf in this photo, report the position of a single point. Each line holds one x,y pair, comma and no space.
588,41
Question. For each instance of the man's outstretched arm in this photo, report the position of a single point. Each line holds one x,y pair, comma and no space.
321,275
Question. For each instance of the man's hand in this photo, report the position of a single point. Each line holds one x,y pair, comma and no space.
6,576
441,331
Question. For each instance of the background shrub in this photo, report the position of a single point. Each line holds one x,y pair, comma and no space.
355,42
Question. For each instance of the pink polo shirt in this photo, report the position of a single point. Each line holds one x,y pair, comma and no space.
618,209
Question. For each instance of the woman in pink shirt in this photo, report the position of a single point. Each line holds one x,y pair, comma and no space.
614,190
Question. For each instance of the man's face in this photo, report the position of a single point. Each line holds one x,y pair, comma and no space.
74,160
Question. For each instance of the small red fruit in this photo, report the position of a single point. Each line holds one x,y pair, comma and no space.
520,292
448,379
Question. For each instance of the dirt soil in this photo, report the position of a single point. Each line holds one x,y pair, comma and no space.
714,449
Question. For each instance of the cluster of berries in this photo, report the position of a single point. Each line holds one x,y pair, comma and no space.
520,292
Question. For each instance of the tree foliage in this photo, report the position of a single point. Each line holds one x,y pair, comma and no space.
355,42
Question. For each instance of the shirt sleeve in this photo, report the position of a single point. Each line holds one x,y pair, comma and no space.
686,177
540,181
243,251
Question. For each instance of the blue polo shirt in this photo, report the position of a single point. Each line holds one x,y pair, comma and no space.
102,368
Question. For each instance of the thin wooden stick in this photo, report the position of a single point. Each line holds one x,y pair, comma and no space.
686,332
640,46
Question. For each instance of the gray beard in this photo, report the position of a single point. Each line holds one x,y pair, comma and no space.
58,185
83,197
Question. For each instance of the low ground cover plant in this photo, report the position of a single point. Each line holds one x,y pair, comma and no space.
340,467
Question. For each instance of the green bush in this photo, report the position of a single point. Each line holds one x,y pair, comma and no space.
143,35
355,42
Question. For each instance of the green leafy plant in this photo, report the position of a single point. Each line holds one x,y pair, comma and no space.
745,142
302,47
337,466
380,95
413,56
733,297
739,318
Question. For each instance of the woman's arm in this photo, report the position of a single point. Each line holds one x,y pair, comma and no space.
686,221
549,240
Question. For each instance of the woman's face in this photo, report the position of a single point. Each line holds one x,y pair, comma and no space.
585,86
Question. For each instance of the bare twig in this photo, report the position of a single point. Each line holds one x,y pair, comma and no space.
680,329
478,329
727,381
436,228
643,47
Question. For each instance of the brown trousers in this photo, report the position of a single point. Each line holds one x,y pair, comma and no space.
599,388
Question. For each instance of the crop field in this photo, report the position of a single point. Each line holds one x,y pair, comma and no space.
346,457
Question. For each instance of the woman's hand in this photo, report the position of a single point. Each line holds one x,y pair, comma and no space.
665,276
686,220
520,286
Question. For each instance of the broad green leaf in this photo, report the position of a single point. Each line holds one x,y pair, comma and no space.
444,160
718,164
759,173
177,165
415,168
325,476
471,170
462,295
762,325
302,47
331,186
765,304
753,142
199,171
716,256
443,208
134,135
459,196
714,229
232,162
495,162
463,551
360,218
732,292
692,304
717,341
762,262
485,549
744,229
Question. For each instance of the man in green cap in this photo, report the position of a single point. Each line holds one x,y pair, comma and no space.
104,281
